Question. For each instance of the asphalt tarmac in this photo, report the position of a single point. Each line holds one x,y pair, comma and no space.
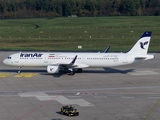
122,93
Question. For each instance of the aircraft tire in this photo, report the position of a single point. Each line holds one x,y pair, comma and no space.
71,73
79,70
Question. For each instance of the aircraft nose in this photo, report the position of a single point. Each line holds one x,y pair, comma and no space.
4,61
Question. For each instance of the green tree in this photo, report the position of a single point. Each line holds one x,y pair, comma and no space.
2,6
128,7
58,7
11,7
116,4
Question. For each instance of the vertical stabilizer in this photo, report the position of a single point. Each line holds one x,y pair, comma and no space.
142,45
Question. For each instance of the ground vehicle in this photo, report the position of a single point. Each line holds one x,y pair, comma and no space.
69,110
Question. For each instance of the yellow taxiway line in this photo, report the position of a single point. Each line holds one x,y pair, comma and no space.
26,75
151,111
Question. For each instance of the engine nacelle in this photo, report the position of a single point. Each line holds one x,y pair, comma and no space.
52,69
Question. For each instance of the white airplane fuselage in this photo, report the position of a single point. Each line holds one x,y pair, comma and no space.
83,60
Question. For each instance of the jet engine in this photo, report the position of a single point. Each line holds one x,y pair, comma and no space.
52,69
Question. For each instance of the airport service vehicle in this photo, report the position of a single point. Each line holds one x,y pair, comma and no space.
77,61
69,110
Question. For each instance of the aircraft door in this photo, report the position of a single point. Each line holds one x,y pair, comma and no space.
83,58
16,59
45,59
125,59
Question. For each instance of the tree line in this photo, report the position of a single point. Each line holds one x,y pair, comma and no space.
58,8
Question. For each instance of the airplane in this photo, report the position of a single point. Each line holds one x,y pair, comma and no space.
77,61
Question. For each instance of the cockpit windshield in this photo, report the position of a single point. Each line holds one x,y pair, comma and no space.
9,57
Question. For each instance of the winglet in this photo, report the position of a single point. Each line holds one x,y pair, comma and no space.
73,61
107,49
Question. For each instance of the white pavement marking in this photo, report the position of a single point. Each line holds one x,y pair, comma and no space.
80,102
61,99
100,97
78,93
128,97
148,72
154,97
74,96
32,94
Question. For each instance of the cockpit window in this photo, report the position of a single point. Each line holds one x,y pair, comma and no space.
9,57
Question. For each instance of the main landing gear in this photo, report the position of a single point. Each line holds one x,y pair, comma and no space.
72,71
79,70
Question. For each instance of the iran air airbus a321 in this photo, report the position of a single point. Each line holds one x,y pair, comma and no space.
75,62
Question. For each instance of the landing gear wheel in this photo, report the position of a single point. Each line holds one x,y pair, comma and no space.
72,73
62,113
19,71
79,70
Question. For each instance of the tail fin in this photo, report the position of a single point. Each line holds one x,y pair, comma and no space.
141,46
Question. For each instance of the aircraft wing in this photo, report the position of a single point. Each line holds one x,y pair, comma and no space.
72,64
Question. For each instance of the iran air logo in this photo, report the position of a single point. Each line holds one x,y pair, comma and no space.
143,44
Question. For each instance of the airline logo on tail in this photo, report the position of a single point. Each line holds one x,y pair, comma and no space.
143,44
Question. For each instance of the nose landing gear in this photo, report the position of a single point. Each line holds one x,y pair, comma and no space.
72,71
19,70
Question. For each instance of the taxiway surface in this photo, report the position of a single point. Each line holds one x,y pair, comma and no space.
122,93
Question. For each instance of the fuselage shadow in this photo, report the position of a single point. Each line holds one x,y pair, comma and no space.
85,71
